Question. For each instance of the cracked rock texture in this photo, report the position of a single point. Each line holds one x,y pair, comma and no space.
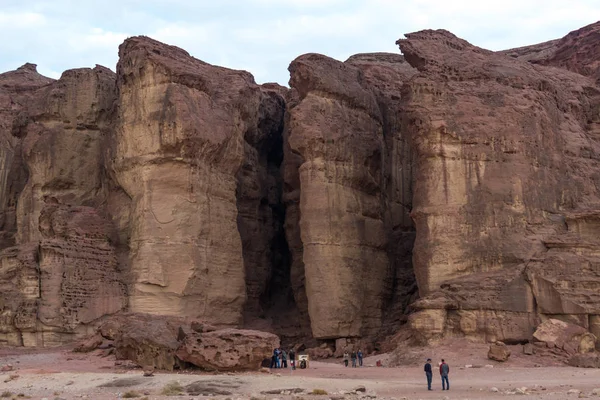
453,188
59,269
506,187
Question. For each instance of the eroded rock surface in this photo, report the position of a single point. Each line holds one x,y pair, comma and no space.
228,349
461,181
62,273
350,193
506,162
168,342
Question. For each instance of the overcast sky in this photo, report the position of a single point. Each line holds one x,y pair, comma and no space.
263,36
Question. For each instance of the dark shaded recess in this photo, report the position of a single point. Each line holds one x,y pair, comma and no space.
401,284
279,290
261,217
17,177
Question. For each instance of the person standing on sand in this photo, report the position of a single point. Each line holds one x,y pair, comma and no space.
360,357
428,373
444,371
292,355
283,359
274,359
277,356
353,358
346,357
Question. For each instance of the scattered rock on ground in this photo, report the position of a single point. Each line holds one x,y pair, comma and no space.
498,352
528,349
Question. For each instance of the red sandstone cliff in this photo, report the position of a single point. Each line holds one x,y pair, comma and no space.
459,181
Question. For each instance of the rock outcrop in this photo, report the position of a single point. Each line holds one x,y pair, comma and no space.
578,52
167,342
179,144
62,272
349,177
228,349
453,188
505,154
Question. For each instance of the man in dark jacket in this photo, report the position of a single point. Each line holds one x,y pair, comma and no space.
360,357
292,355
444,371
428,373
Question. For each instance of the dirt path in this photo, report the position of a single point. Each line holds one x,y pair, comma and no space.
60,374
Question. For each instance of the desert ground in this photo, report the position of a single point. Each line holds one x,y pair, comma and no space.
55,374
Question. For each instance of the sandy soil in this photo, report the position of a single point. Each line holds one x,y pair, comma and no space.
62,374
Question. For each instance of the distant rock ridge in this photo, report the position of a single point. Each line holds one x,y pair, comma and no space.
451,190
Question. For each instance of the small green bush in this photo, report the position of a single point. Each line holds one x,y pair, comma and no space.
172,389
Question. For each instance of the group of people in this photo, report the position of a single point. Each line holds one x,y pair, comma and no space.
354,356
444,371
279,359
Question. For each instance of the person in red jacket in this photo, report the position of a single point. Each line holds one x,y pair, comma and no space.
444,371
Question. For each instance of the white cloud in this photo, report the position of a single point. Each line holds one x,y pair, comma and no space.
299,3
20,20
96,38
263,36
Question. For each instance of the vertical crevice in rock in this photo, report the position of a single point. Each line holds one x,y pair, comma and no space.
13,178
385,74
292,161
261,217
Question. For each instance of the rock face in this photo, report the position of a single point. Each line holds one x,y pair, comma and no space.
505,154
452,188
61,273
578,52
179,143
348,191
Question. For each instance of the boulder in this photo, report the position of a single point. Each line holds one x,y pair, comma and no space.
498,352
89,344
228,349
109,328
528,349
201,327
148,341
569,337
6,368
320,353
